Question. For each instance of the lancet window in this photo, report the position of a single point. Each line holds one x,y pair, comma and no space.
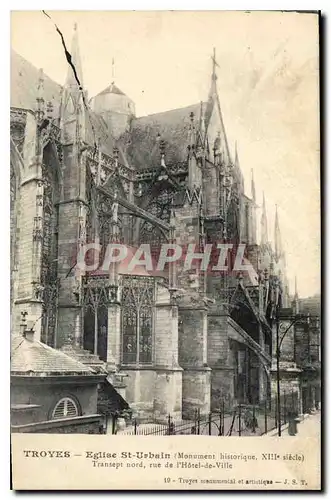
48,272
96,301
138,300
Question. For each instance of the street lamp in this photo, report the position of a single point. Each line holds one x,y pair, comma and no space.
280,335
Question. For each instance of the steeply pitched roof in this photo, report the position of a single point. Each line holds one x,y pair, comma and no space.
24,83
33,358
96,128
142,145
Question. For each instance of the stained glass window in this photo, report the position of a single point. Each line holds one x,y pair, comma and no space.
48,277
138,299
96,316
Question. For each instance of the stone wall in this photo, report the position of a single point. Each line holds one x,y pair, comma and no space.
222,362
93,424
47,395
154,393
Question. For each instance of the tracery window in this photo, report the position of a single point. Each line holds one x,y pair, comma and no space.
138,299
48,275
96,300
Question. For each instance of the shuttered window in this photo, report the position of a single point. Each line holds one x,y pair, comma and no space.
65,408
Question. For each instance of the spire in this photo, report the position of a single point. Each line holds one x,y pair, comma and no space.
296,295
295,302
213,88
236,157
40,96
215,65
73,97
202,122
264,224
237,167
278,243
113,71
212,104
76,63
253,187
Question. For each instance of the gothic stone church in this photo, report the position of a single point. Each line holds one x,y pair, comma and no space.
88,170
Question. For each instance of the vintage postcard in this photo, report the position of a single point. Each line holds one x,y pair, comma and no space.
165,250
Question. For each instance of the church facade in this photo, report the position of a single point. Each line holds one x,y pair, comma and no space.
88,173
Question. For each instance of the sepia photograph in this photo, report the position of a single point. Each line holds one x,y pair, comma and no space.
165,226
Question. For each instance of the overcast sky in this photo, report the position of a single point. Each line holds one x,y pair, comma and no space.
267,82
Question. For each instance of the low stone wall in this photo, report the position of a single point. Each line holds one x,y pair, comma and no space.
92,424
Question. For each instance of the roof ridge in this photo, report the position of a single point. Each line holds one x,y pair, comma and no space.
63,354
30,355
111,88
171,110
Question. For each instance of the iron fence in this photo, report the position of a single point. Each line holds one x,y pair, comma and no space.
241,420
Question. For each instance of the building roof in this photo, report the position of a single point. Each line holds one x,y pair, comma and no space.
30,357
173,127
111,89
97,129
24,84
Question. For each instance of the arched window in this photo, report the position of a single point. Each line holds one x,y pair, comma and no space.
138,300
49,252
65,408
96,300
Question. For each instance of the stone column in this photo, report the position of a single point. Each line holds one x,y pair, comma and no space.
221,359
114,307
168,382
29,293
114,336
71,235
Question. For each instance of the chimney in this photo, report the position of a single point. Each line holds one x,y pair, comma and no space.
29,331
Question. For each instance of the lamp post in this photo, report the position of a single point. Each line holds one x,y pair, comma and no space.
276,317
278,373
279,340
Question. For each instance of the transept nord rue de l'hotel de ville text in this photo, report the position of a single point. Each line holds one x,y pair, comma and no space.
157,343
